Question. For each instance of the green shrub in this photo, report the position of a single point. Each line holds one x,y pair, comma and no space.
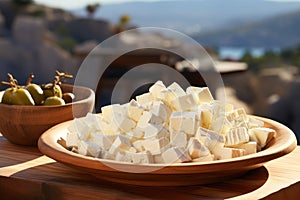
67,43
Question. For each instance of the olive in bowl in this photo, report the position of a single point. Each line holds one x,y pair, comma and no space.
23,124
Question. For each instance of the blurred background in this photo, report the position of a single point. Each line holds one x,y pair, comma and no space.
255,44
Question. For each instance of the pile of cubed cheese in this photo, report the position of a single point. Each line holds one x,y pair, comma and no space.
168,125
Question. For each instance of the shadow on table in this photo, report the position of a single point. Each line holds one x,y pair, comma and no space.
62,181
16,157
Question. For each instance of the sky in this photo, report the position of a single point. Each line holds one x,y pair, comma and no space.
71,4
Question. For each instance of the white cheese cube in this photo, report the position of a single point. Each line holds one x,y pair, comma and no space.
176,89
196,149
123,157
154,131
134,110
178,139
89,149
81,128
148,118
236,136
93,121
209,157
262,135
206,118
227,153
201,95
134,134
123,123
175,155
237,116
138,145
103,140
107,155
210,139
109,127
158,159
109,111
249,147
156,88
167,96
217,123
254,123
120,143
183,103
141,157
155,146
223,127
144,99
183,122
161,110
72,139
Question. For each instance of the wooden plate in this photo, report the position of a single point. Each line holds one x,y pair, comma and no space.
167,175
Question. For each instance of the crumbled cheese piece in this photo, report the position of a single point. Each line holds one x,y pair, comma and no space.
156,88
109,111
144,98
183,122
237,136
93,121
184,102
103,140
201,95
261,135
155,146
227,153
255,123
123,157
197,149
141,157
210,139
72,139
81,128
161,110
176,89
209,157
123,123
134,110
155,132
178,139
148,118
249,147
89,149
138,145
121,142
175,155
206,118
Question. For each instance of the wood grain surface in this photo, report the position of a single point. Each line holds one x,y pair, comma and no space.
26,174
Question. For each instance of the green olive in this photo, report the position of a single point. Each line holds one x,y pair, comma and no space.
36,92
68,97
50,90
54,101
17,96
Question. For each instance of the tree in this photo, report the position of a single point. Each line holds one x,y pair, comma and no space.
92,8
123,23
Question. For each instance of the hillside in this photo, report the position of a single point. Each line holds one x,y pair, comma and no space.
194,16
277,32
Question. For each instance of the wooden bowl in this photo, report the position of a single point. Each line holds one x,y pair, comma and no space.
166,175
24,124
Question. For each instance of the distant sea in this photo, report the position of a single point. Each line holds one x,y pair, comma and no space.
236,53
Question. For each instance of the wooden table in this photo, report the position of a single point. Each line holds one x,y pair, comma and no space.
26,174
